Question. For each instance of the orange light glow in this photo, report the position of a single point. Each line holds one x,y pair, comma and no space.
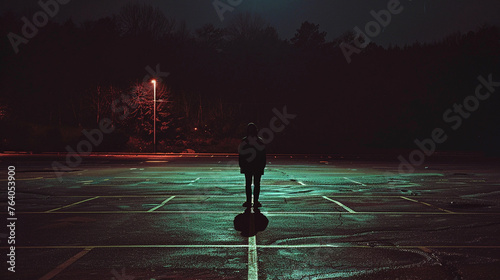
153,81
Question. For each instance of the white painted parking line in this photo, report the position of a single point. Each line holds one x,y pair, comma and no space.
427,204
194,181
334,245
27,179
159,195
355,182
253,271
264,212
161,205
222,195
421,174
340,204
73,204
65,264
138,177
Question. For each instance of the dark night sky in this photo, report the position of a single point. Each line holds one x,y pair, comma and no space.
422,20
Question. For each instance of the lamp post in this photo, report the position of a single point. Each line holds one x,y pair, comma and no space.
154,115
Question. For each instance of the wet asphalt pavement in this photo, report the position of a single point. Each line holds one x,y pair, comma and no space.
173,217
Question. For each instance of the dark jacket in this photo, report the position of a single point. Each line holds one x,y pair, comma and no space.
252,156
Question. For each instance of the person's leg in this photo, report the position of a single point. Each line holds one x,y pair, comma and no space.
256,191
248,187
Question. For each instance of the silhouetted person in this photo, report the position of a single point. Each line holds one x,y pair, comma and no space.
252,158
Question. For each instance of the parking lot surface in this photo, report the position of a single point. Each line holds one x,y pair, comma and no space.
172,217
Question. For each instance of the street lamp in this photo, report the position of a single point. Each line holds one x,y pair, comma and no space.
154,115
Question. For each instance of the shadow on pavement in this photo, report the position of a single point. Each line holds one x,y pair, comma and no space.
250,223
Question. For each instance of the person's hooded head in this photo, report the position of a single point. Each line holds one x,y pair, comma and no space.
252,130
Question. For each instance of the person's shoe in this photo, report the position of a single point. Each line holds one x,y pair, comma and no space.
257,204
247,204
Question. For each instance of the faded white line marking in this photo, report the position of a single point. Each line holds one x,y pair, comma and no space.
339,245
162,204
253,271
73,204
355,182
194,181
340,204
427,204
265,212
65,264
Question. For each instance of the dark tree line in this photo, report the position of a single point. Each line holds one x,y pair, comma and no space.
66,78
